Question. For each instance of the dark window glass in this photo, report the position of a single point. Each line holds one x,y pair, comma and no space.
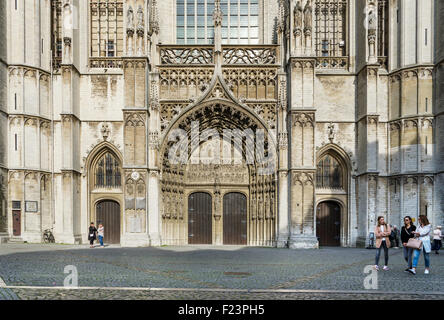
107,172
329,173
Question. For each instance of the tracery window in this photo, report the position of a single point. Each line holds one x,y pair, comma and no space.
107,172
240,23
106,23
329,173
330,28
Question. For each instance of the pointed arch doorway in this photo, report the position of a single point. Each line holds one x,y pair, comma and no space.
105,191
108,214
332,194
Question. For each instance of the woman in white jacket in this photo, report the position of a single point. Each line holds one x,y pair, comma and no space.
422,233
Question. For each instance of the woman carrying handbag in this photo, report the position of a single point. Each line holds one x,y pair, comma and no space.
407,232
422,234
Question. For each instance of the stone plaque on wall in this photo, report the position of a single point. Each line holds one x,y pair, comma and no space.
31,206
135,224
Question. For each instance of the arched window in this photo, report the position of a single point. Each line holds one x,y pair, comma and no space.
330,28
329,173
107,172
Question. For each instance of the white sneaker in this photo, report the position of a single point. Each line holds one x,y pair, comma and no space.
427,271
385,268
376,268
412,271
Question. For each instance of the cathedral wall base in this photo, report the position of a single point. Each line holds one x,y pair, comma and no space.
303,242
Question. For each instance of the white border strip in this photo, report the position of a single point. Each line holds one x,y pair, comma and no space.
2,283
224,290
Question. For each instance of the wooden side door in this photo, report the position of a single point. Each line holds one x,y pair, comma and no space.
108,214
235,219
328,223
200,218
16,222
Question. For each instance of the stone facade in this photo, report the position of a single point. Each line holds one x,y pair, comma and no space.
84,119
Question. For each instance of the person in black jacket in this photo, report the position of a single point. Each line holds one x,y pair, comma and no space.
407,232
92,235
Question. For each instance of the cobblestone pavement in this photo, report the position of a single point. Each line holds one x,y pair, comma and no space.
211,267
39,294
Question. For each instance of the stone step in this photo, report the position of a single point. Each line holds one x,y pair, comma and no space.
15,240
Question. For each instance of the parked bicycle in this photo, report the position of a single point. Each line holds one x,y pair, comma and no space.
48,237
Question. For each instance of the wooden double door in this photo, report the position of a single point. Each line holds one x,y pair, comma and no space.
108,214
200,220
328,224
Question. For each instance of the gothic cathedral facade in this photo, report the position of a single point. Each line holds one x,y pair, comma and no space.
335,110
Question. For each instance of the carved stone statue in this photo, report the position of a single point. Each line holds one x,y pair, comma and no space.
140,20
298,15
130,18
372,21
331,132
308,11
217,13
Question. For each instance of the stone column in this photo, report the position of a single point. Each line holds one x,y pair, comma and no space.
154,221
302,185
282,235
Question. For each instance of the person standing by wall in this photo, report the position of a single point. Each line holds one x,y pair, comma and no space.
422,233
382,233
396,236
101,233
92,234
407,232
437,242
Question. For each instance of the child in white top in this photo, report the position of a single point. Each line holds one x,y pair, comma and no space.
437,243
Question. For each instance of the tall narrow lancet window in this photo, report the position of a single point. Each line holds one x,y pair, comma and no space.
330,28
383,28
329,173
56,32
107,172
240,23
106,25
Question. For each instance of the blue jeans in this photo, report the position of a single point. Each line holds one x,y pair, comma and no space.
101,240
378,253
416,255
408,256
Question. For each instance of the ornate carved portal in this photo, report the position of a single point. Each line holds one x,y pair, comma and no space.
218,165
